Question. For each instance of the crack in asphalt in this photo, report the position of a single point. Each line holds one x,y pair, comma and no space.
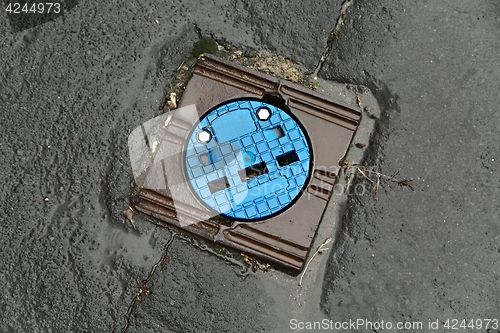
143,290
334,35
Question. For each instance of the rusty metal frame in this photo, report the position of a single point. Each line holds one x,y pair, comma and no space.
283,240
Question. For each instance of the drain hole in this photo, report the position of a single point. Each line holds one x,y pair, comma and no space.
253,171
210,158
218,185
274,133
205,159
287,158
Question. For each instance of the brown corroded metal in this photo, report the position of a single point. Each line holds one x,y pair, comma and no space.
283,240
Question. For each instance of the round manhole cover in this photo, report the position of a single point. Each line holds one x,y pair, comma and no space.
248,160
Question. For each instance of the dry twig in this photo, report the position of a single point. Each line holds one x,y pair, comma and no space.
320,249
365,172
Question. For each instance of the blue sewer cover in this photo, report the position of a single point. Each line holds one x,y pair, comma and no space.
248,160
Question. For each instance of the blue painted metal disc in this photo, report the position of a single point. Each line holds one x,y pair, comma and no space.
251,168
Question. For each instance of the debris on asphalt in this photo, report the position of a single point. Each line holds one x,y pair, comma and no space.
128,214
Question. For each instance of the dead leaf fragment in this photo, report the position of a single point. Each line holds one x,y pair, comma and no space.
128,214
172,103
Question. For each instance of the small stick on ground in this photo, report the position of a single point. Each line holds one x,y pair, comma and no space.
358,100
180,66
376,189
365,172
320,249
361,171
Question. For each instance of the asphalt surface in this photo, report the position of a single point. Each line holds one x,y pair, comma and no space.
431,254
72,88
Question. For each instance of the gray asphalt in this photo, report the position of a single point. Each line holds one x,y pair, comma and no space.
431,254
71,90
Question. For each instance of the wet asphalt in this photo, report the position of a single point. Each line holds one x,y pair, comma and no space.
72,89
